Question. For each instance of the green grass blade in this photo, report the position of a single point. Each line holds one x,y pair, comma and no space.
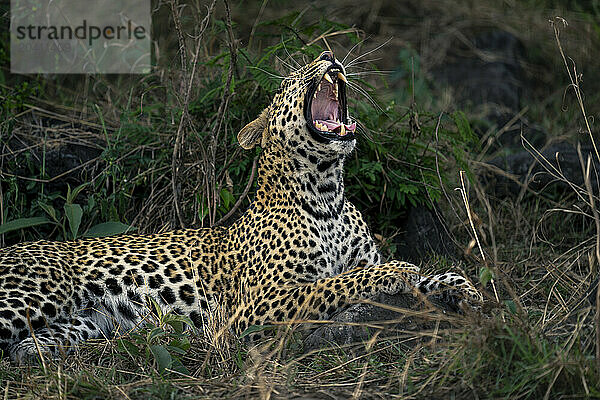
23,223
108,229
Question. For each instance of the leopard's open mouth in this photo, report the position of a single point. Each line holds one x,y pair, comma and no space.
325,107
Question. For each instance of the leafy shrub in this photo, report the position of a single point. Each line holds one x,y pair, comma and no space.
400,162
162,342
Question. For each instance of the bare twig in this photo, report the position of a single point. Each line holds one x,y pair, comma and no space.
575,79
35,341
256,21
175,164
212,192
464,194
588,186
239,201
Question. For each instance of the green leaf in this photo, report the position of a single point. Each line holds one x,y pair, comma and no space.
125,346
51,211
511,306
155,333
203,211
162,356
177,322
179,367
176,325
464,128
156,307
74,214
22,223
227,198
485,276
71,195
183,344
139,339
175,349
108,229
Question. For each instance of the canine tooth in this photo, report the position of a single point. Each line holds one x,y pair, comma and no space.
319,87
343,130
342,77
328,78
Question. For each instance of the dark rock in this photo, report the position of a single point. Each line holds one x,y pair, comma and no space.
361,321
488,73
425,234
488,79
507,127
61,147
538,171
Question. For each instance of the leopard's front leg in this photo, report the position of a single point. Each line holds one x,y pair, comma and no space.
452,289
323,298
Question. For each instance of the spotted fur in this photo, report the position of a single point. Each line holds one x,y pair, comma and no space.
300,250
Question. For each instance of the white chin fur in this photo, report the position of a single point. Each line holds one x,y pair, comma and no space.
343,147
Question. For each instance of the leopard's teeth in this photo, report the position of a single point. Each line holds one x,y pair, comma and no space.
342,130
319,88
328,78
342,77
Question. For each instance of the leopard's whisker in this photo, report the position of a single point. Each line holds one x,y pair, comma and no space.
267,72
370,60
370,73
352,49
363,92
290,56
286,64
368,52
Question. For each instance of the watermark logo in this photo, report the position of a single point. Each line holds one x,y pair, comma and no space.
80,37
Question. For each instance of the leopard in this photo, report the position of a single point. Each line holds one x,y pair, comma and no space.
300,250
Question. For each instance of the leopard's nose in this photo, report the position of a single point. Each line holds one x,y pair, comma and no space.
327,55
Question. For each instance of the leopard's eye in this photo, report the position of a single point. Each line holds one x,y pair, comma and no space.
327,56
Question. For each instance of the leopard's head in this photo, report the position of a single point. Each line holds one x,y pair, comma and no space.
308,116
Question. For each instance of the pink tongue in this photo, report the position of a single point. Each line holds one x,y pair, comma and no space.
333,125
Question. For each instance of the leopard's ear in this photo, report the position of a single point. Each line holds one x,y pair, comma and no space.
255,132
